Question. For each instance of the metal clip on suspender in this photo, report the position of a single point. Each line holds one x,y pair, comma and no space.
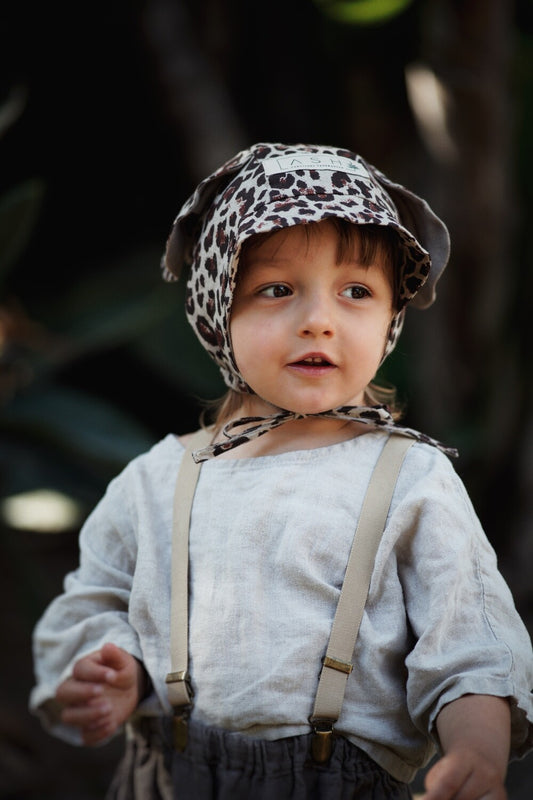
180,692
337,662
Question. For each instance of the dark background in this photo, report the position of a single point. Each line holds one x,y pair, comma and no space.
110,113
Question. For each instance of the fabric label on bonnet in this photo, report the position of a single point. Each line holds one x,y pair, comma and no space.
314,161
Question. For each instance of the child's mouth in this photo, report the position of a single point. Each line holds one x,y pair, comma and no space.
315,361
313,365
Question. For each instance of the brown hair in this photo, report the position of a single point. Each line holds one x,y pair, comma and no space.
372,241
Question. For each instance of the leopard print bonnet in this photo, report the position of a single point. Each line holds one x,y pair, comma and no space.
272,186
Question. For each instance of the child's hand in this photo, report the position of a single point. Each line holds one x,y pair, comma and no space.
475,735
104,690
464,775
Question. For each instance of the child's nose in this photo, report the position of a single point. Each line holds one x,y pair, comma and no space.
317,317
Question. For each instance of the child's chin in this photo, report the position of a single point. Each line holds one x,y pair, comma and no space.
266,407
310,410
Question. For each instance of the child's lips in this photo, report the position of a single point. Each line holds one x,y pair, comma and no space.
314,364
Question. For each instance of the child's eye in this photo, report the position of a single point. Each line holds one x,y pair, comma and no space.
356,292
275,290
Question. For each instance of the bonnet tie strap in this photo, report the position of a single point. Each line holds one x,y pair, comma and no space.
376,416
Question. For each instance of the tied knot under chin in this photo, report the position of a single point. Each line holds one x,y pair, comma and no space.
252,427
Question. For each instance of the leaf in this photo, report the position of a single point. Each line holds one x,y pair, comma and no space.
174,351
76,423
110,306
363,12
127,305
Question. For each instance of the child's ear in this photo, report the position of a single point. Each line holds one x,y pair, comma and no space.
181,238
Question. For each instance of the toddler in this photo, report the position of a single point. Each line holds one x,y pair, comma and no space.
302,261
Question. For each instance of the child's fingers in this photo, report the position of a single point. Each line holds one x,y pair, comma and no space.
87,716
114,657
458,777
122,667
95,723
91,669
445,779
74,692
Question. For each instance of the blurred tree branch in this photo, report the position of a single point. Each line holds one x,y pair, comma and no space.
474,367
466,46
194,95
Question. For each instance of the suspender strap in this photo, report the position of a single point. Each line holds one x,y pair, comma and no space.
337,663
178,682
338,660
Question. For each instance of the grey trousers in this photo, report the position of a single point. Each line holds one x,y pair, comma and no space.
227,766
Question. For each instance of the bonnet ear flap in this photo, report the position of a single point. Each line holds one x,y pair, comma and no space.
430,231
181,238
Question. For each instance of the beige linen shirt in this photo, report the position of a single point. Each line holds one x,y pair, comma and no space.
269,542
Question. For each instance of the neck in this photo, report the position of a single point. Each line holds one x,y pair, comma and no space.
307,433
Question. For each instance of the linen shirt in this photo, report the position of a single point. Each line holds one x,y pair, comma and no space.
269,542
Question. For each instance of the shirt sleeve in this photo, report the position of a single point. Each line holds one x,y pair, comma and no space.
469,638
93,608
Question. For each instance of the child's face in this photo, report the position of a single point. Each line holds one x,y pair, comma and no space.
309,332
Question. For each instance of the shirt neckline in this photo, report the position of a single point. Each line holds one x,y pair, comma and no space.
299,455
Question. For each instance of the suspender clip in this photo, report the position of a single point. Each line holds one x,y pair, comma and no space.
322,740
180,728
180,696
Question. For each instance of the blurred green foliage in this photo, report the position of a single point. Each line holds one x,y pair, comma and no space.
362,12
57,436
